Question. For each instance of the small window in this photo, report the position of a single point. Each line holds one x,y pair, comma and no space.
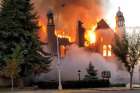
109,50
104,50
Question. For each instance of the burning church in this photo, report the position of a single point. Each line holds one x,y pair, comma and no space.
80,42
99,38
105,35
75,55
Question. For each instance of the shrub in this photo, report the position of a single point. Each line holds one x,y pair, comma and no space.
74,84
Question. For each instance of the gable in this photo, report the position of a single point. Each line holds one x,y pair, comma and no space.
102,25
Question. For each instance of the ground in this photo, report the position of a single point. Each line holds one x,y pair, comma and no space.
100,90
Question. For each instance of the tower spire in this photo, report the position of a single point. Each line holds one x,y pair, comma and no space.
120,22
119,9
51,33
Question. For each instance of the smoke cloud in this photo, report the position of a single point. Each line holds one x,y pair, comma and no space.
68,12
78,59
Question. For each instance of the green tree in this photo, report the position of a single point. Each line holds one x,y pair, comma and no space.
18,27
91,73
127,49
12,68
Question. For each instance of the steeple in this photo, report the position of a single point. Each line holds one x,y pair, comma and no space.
119,18
120,23
51,33
50,18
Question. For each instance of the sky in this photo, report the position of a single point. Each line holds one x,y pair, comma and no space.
130,9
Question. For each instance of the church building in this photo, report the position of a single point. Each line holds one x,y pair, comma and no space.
105,35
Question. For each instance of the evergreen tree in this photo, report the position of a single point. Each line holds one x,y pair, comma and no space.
18,26
91,73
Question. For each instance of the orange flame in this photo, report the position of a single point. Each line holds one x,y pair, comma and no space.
90,37
62,34
42,34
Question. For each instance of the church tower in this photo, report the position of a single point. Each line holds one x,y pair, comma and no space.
120,23
81,34
52,39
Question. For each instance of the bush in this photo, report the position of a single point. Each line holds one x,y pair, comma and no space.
47,85
118,85
74,84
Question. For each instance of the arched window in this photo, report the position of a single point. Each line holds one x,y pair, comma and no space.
109,50
104,50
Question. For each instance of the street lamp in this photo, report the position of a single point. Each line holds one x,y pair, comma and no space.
58,66
58,56
79,74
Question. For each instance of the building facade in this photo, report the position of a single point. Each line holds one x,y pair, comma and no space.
105,35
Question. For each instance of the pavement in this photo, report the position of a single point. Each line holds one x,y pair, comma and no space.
92,90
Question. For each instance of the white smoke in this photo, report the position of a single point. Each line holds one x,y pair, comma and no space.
78,59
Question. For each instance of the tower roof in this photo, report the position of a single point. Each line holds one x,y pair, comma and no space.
119,14
102,25
50,13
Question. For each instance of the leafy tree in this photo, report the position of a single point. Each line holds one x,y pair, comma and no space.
18,27
91,73
127,49
12,68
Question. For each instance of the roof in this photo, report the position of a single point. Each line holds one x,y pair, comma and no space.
119,14
50,13
102,25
